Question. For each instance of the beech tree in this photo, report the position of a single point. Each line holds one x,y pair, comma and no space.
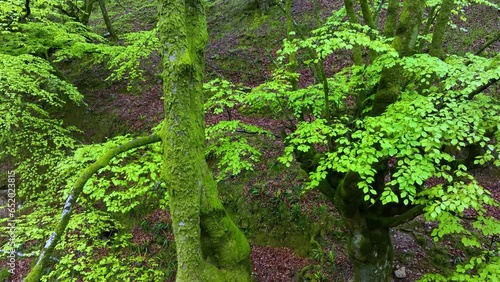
395,135
210,247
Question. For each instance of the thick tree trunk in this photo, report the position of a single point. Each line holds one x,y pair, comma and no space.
223,243
370,252
209,245
369,246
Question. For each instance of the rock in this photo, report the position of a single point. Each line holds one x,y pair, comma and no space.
400,272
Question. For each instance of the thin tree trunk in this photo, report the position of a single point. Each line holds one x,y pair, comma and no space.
438,35
293,57
107,21
367,14
356,49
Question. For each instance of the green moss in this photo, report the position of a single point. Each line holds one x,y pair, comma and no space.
4,274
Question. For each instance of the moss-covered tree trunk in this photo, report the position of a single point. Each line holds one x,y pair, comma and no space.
209,246
107,21
370,251
436,48
369,246
404,42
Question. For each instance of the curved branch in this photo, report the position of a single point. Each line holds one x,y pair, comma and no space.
36,272
405,217
393,221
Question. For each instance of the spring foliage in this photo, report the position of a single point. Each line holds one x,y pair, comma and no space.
439,130
46,155
439,119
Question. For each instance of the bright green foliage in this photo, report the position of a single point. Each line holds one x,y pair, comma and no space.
222,95
129,181
439,129
125,61
29,91
32,93
136,172
228,143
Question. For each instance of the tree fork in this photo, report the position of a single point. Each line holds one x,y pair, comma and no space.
404,43
36,272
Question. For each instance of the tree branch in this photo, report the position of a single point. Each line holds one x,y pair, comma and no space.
36,272
367,14
391,18
482,88
407,216
488,43
351,15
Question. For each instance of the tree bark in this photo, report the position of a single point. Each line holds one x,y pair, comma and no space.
438,35
370,251
223,243
369,21
351,15
107,21
391,18
369,247
209,245
404,43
